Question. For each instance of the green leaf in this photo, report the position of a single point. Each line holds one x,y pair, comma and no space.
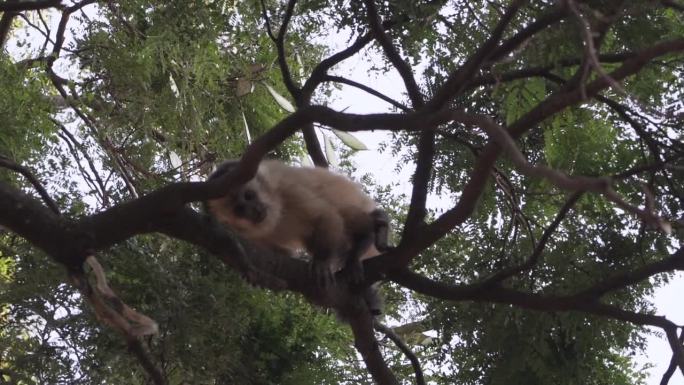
350,140
330,151
280,99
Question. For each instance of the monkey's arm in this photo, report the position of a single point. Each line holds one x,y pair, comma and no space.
381,229
326,245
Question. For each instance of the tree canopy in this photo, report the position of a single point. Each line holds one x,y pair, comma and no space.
549,132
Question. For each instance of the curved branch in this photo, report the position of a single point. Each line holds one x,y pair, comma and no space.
71,139
11,165
618,281
61,29
349,82
280,46
531,301
319,73
420,380
361,323
402,67
600,185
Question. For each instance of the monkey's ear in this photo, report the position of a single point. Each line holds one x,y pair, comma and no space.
224,168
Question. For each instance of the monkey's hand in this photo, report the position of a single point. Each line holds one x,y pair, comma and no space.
381,224
322,273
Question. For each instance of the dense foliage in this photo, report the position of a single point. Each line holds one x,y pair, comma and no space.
548,136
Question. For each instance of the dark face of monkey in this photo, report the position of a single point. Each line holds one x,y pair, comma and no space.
245,204
249,210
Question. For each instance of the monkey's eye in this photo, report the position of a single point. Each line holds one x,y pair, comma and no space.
249,195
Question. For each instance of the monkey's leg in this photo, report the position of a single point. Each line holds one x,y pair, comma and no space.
326,246
360,229
373,299
381,229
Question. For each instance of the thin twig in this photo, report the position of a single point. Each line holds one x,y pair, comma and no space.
539,248
420,380
372,91
11,165
600,185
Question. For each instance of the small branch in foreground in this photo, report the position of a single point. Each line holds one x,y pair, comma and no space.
110,310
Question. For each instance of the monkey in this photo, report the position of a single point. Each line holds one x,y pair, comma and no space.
312,209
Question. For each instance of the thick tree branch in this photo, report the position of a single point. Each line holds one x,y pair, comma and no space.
6,21
426,141
557,102
426,145
361,322
673,363
619,281
561,180
313,146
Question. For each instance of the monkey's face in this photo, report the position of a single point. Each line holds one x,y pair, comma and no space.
247,210
253,210
247,205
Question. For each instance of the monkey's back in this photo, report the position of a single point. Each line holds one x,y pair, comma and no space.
330,188
315,197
